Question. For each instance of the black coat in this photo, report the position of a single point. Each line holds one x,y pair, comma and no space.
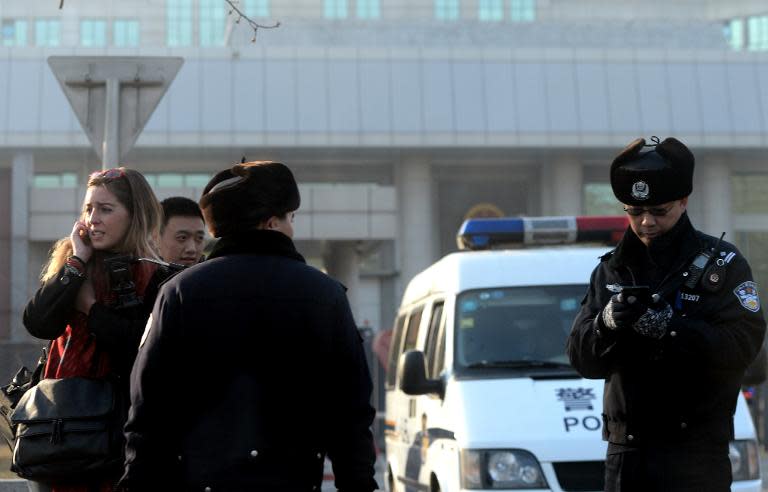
116,332
252,371
683,387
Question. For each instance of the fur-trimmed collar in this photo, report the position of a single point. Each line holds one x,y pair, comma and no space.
256,242
677,245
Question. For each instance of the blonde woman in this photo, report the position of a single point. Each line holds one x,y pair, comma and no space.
94,320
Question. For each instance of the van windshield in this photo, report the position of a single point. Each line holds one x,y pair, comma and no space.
515,327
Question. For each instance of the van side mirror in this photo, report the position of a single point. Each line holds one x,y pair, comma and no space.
756,372
412,375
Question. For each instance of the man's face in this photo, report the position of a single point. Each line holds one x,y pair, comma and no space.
183,240
649,223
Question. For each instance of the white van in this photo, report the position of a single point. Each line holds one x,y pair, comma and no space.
483,396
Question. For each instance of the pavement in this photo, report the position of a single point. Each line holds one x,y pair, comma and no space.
15,485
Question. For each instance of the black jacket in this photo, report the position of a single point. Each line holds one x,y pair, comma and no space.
116,332
683,387
252,371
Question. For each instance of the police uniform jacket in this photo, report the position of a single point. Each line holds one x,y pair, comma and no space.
683,387
251,371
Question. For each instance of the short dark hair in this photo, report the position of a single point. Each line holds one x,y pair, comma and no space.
179,206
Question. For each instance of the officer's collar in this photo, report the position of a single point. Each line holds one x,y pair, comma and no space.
256,242
680,242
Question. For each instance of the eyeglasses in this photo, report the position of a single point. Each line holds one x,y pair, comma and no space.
655,211
113,173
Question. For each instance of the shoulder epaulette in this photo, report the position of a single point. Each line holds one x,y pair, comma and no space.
607,256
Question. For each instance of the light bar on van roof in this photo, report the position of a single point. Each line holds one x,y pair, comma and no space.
530,231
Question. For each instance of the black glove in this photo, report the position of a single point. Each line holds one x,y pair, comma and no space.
622,313
654,321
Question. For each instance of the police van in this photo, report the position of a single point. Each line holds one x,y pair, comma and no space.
480,394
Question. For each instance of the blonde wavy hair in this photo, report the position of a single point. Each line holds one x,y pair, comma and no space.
134,193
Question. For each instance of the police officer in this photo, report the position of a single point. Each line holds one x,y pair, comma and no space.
251,370
673,360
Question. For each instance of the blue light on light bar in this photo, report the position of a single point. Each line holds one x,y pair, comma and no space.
527,231
481,233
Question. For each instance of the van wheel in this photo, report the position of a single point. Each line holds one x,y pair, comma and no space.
434,485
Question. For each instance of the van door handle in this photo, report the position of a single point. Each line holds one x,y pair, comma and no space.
412,407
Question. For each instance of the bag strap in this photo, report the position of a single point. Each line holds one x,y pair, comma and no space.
37,374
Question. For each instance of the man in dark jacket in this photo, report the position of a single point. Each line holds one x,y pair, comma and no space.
251,370
672,361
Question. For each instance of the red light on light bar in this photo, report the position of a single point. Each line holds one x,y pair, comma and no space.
608,228
602,223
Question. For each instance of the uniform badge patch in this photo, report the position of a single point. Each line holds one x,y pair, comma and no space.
747,295
640,190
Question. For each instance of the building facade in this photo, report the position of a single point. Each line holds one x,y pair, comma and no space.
399,118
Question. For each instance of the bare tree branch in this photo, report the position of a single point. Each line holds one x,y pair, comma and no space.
254,25
233,8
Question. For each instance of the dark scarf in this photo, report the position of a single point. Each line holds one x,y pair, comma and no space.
256,242
667,251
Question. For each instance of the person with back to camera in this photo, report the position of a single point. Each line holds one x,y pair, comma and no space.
94,335
182,231
673,360
274,374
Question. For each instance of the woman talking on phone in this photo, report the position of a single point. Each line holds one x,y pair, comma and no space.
95,299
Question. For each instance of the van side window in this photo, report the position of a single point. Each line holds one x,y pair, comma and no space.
432,334
439,365
414,320
394,351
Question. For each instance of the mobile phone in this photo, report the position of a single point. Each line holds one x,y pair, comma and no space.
641,293
85,236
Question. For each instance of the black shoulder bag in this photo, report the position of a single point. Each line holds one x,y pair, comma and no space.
66,428
11,393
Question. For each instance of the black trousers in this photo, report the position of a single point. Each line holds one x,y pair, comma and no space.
667,468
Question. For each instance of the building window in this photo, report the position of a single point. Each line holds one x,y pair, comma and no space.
13,32
125,32
757,30
754,246
177,180
734,34
490,10
522,10
749,207
93,32
600,200
47,32
335,9
748,192
368,9
446,9
179,23
213,22
256,8
53,180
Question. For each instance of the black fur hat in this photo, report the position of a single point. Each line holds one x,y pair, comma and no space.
659,175
247,195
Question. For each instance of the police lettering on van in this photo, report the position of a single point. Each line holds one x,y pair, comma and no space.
477,371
